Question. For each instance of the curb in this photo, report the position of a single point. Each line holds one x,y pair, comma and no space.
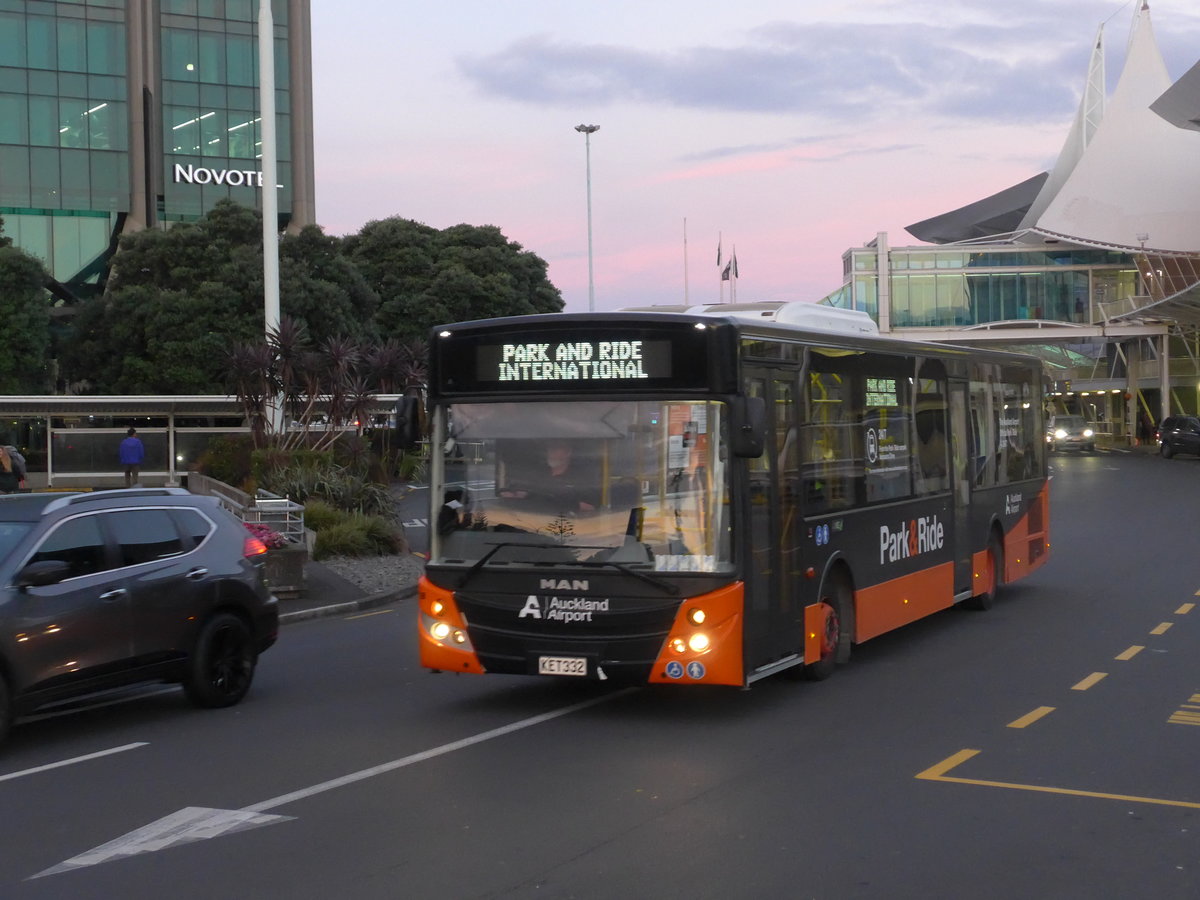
337,609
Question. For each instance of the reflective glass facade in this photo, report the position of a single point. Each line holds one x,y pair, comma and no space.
120,115
959,287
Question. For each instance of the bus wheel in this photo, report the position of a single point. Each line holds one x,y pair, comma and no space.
991,576
835,630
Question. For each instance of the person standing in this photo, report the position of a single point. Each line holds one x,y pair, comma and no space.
131,454
8,475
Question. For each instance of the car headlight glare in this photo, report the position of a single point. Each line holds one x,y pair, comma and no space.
1060,433
1087,432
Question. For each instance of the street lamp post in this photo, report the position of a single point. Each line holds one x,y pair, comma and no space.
587,131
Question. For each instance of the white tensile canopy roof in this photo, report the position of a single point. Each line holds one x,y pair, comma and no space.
1139,175
1128,174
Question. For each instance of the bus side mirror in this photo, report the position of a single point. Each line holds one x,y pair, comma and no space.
407,426
749,427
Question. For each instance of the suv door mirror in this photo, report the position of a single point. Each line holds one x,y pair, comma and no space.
42,573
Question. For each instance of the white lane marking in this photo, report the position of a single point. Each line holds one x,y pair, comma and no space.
433,753
200,823
193,823
71,762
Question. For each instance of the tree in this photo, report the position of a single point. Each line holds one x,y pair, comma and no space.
25,311
425,277
177,299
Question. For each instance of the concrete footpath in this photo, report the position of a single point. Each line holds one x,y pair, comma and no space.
329,594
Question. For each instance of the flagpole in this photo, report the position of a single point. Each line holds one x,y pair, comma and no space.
720,274
685,263
733,275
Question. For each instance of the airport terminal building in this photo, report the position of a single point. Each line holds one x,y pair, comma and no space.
1094,265
119,115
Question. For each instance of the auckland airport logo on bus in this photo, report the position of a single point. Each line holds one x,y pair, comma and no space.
911,539
562,609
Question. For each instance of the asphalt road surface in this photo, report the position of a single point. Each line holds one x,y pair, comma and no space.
1045,748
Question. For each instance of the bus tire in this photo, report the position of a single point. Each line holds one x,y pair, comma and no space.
993,577
837,605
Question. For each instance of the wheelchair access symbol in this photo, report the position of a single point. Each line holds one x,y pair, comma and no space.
872,446
674,669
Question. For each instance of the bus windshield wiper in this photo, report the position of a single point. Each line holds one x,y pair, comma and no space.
659,583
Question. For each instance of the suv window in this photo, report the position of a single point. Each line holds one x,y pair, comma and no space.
144,535
77,542
193,524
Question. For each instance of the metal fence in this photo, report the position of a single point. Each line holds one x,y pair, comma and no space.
278,513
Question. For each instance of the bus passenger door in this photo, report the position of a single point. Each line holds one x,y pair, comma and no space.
960,443
774,628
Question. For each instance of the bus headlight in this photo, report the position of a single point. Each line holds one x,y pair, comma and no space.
440,631
678,645
696,616
698,642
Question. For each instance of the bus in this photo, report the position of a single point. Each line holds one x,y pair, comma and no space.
717,495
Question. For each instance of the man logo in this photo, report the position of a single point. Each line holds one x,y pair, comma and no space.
531,608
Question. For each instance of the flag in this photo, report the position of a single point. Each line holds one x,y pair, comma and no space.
718,251
725,271
733,263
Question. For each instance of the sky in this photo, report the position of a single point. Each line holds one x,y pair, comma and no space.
788,131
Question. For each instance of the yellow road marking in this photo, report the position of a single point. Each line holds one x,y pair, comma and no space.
378,612
1031,717
1195,698
1185,609
1162,628
938,773
1130,653
1181,717
1089,681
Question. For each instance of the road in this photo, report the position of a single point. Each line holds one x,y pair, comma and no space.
1045,748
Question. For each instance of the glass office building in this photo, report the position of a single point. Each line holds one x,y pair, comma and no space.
117,116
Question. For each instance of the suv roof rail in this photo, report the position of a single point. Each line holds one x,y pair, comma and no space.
93,496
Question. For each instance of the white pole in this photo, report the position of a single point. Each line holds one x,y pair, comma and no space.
270,176
270,192
588,130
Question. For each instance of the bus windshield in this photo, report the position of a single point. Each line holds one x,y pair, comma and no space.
637,483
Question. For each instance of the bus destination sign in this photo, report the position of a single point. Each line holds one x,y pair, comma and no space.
574,360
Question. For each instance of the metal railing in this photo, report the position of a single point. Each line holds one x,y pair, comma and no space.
278,513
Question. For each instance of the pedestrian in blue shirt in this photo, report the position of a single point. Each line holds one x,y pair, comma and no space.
132,452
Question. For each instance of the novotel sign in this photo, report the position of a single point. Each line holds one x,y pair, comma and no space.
190,174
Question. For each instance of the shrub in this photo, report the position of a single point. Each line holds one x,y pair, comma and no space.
358,535
319,515
227,458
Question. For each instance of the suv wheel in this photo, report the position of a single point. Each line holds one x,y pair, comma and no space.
1165,450
222,663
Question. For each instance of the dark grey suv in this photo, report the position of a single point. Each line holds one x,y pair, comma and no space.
1179,434
111,588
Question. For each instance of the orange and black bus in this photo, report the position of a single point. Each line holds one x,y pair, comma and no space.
711,497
